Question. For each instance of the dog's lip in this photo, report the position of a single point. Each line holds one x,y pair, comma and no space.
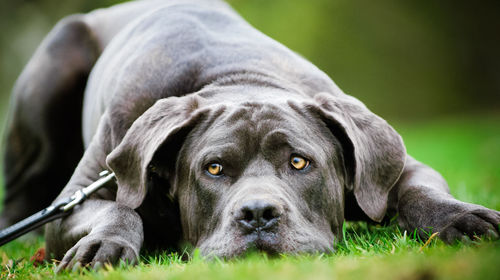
263,241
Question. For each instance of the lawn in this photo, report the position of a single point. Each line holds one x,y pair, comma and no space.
466,150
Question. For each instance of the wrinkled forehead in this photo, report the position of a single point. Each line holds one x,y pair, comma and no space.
263,127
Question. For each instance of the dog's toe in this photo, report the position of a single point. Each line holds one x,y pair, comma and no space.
93,252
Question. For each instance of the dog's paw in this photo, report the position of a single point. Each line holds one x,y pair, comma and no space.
93,252
471,224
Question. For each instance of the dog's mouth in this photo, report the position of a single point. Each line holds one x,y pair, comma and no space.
263,242
270,243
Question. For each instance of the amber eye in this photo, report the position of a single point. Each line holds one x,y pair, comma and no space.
298,162
214,169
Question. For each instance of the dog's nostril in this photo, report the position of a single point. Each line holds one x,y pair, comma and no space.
248,215
268,214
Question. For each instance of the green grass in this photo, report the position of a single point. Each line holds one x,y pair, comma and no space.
466,150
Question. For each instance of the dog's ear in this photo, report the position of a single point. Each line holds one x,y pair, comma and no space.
374,153
164,124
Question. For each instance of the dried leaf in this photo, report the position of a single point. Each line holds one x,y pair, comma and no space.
39,257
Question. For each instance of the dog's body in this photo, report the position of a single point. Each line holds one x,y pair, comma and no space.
218,135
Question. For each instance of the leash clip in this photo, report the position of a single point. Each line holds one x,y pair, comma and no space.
82,194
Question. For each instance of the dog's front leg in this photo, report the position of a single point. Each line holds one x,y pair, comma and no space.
423,202
99,230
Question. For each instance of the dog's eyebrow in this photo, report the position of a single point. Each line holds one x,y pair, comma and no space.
284,141
221,152
275,138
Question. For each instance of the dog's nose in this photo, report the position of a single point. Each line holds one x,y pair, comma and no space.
258,215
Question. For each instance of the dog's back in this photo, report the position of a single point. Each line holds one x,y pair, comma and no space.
179,47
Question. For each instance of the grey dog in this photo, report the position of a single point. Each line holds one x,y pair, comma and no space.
218,135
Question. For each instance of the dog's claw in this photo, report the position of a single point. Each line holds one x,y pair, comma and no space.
466,240
76,267
97,265
58,269
491,234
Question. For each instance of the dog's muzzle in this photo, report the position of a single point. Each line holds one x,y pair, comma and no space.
258,221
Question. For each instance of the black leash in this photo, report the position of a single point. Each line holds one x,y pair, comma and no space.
57,210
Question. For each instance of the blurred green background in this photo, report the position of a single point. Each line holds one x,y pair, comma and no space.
408,59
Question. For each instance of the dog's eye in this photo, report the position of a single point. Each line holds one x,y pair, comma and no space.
299,162
214,169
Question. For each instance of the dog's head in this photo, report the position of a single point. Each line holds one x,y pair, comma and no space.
268,174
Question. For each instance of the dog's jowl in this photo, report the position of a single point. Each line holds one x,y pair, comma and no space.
218,135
